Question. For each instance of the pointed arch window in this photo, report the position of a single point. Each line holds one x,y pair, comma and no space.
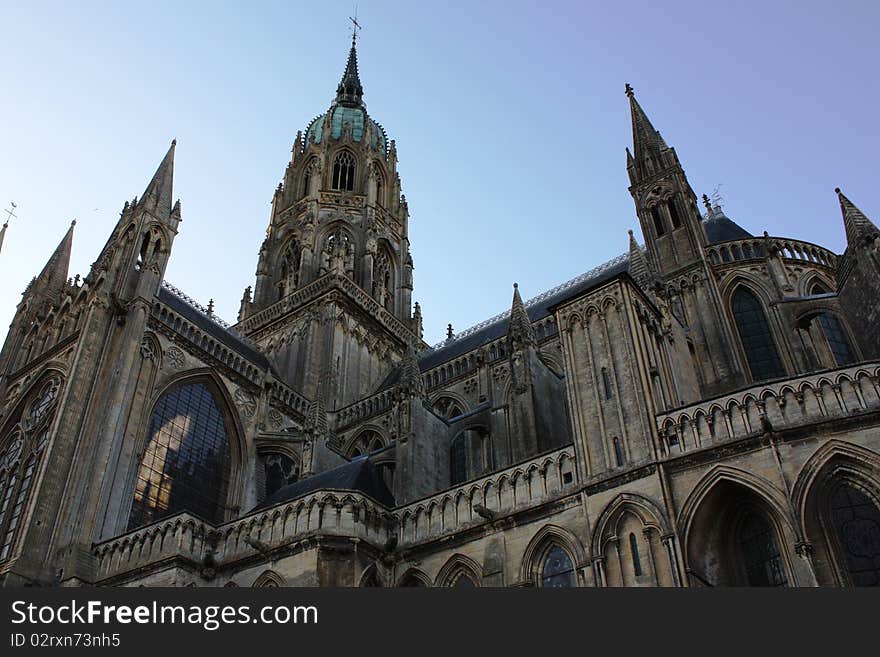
636,557
757,340
186,463
659,224
759,551
856,521
836,338
343,172
16,511
20,455
367,442
557,570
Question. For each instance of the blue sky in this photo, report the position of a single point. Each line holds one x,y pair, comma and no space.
510,120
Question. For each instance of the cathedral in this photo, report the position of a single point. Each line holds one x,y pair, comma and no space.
702,410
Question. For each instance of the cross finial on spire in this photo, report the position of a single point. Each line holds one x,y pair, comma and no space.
355,26
629,90
11,213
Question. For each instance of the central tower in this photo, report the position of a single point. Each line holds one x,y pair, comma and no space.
332,301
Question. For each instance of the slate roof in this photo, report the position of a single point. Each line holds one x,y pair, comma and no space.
721,228
174,299
359,475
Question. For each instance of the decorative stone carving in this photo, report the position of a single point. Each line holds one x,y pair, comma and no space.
175,356
246,402
275,419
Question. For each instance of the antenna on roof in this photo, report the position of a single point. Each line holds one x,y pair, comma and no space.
717,199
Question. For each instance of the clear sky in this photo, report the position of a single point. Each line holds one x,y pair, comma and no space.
510,120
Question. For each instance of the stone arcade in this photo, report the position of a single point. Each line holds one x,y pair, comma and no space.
700,411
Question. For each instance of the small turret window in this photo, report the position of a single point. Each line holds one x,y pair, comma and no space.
343,172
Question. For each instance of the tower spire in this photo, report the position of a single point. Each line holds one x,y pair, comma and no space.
158,192
350,93
859,229
50,282
645,138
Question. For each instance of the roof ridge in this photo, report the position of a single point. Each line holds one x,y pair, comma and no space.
616,260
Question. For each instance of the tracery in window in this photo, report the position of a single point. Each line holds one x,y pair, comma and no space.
757,340
447,408
343,172
280,470
186,461
367,442
20,460
44,401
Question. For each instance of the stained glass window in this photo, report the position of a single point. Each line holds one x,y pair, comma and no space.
759,551
836,338
187,459
757,341
857,521
558,570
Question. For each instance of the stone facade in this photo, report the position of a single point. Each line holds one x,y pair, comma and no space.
703,410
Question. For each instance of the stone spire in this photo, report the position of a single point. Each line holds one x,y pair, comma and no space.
646,140
638,264
3,234
519,331
859,229
54,275
158,193
350,92
410,382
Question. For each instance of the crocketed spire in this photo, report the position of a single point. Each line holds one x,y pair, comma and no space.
350,93
859,229
645,138
520,330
